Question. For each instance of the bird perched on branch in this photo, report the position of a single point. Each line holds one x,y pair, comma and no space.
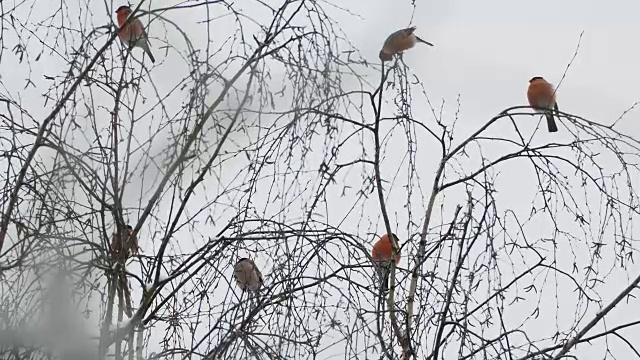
382,255
132,34
541,96
247,275
398,42
130,244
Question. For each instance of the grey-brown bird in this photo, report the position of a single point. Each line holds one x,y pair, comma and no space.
541,96
247,275
130,245
400,41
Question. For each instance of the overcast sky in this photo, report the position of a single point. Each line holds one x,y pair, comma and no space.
485,52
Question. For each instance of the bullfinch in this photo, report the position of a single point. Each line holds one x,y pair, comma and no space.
133,33
131,243
398,42
382,253
541,96
247,275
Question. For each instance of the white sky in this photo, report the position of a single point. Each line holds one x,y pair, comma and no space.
485,52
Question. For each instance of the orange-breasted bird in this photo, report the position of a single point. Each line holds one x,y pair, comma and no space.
133,33
382,253
130,244
398,42
541,96
247,275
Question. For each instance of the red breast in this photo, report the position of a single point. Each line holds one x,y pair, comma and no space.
382,250
540,93
131,31
122,16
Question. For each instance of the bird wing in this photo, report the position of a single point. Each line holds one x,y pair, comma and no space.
260,278
254,267
134,243
137,29
143,33
408,31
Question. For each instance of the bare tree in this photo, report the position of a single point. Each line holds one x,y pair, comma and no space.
276,140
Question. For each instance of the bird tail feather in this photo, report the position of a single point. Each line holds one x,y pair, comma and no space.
384,279
145,46
551,123
423,41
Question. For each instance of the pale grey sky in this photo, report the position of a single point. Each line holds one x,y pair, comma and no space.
485,52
